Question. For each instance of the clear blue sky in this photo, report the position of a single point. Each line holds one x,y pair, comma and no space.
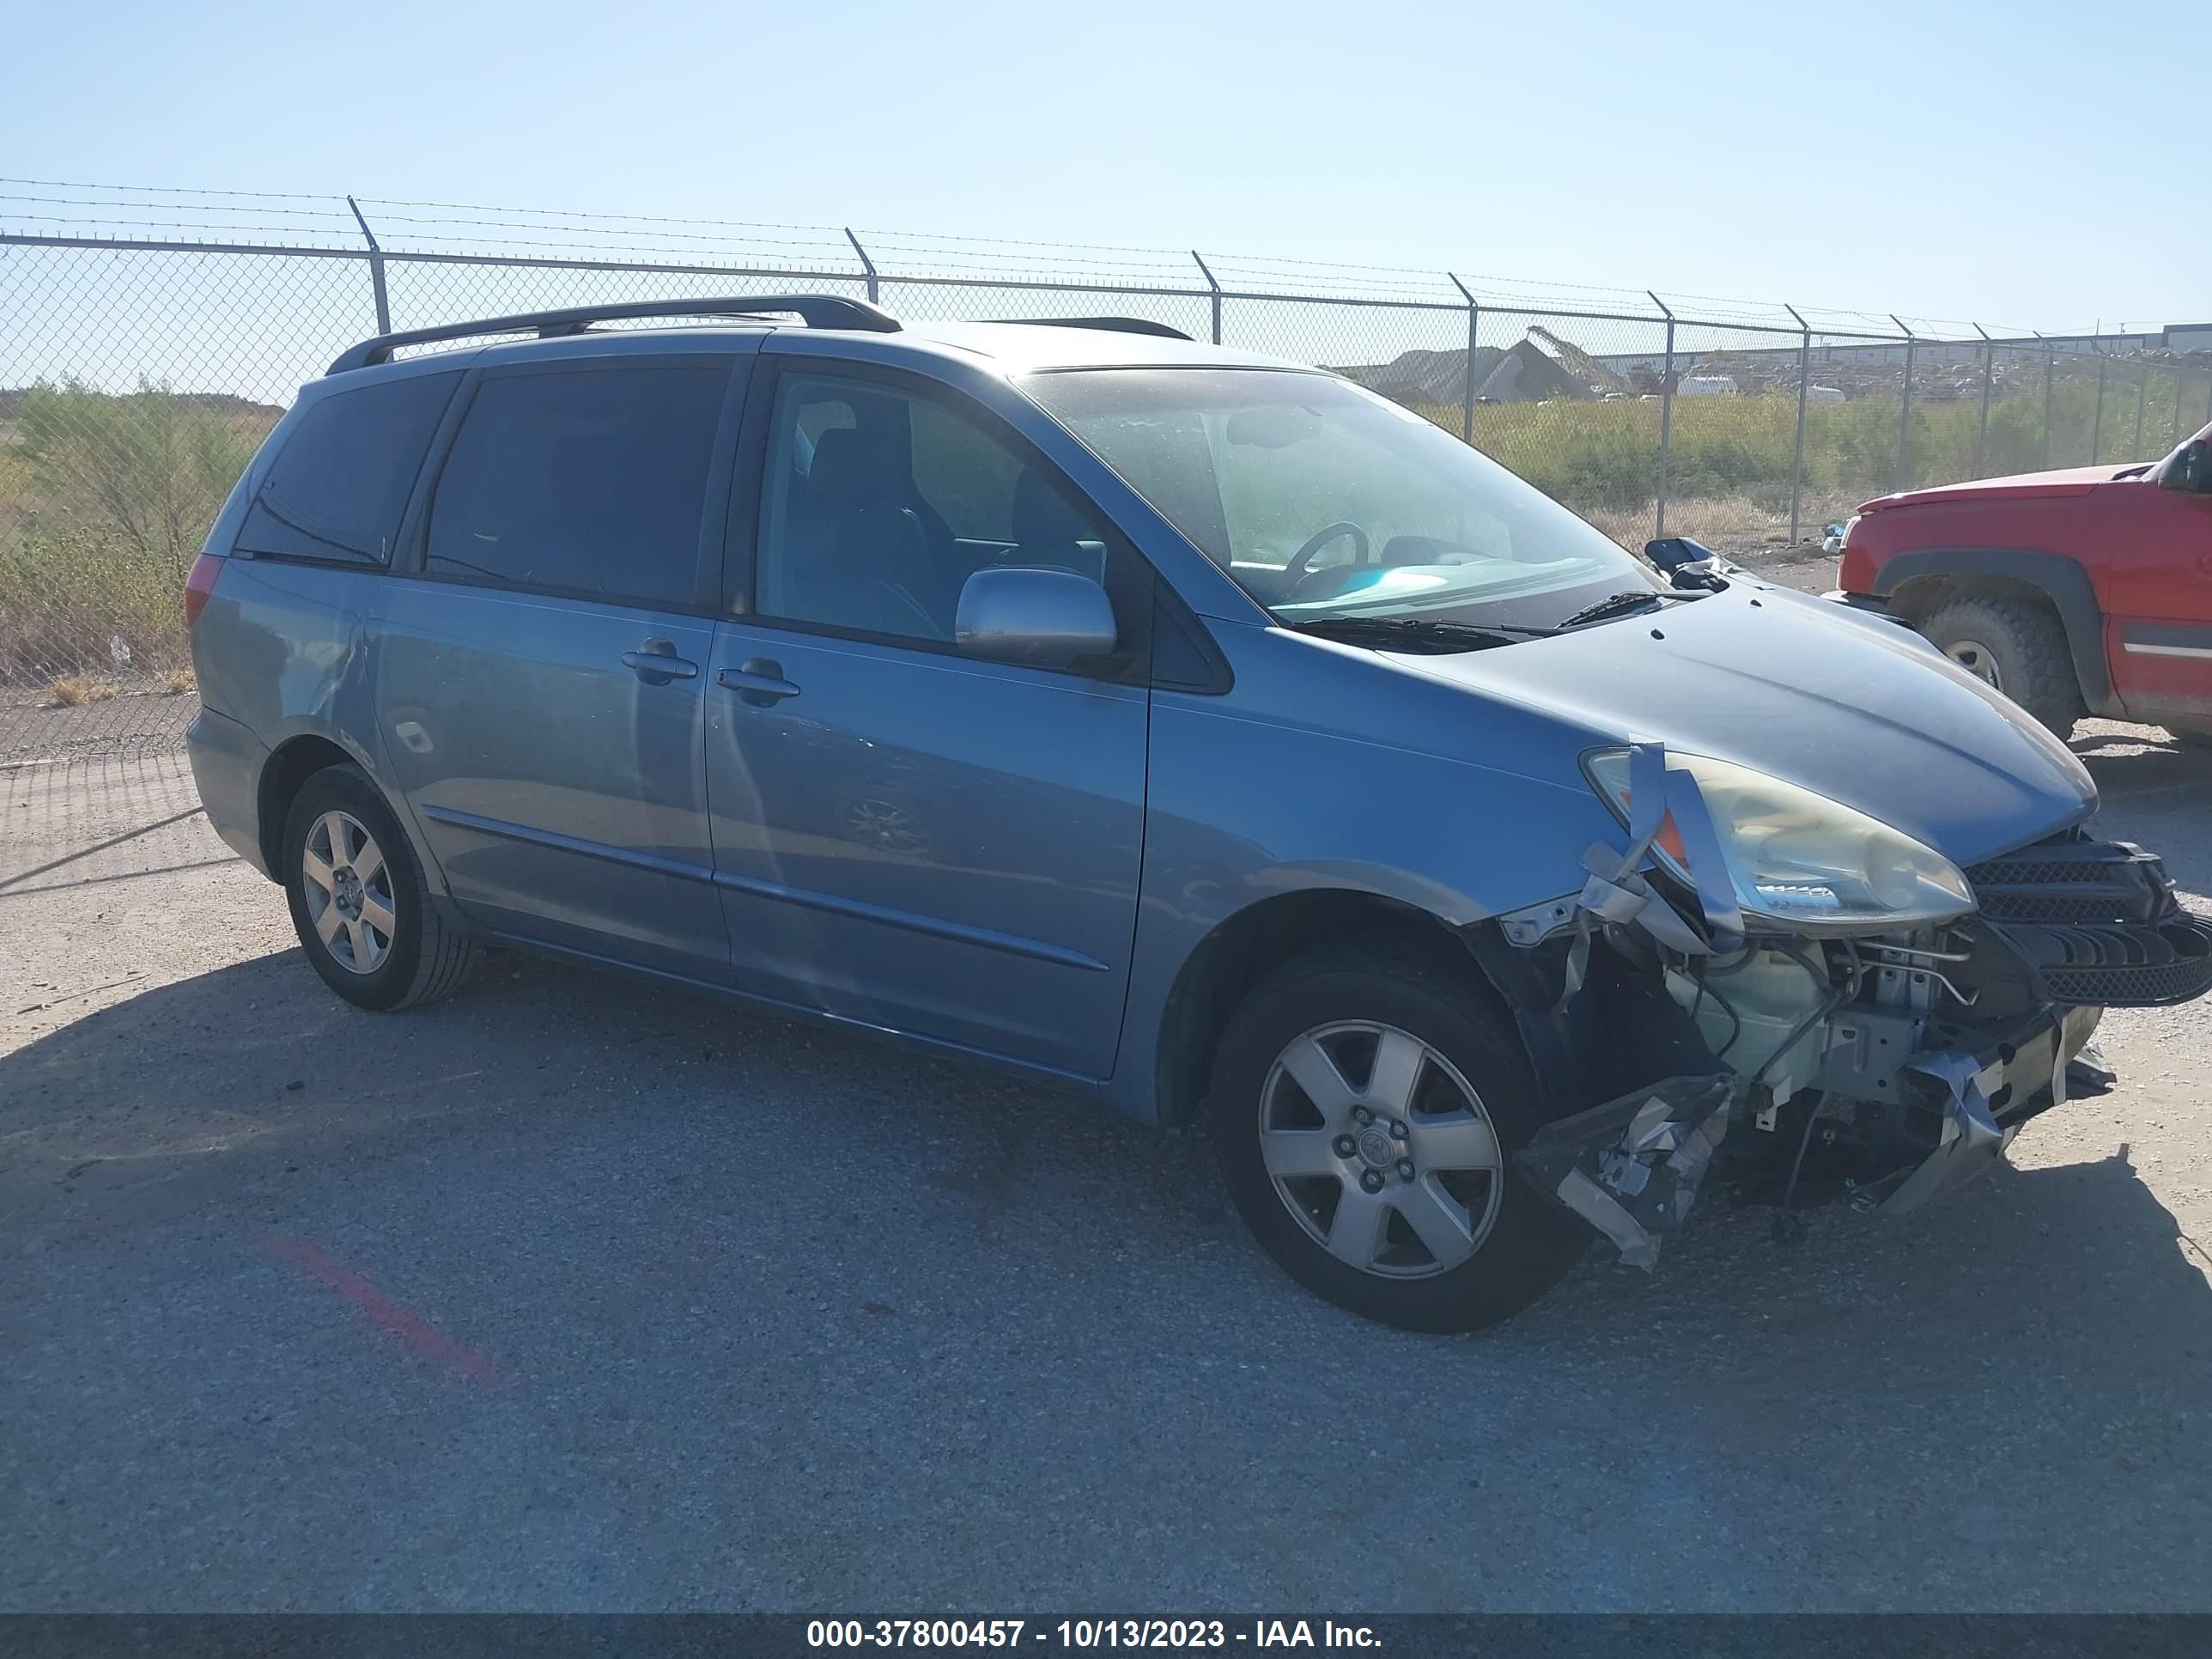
2024,163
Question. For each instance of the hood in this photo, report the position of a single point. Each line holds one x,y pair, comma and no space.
1853,706
2023,486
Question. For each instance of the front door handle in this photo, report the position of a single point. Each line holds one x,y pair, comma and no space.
656,663
759,682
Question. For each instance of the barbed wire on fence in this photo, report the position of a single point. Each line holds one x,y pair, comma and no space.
154,335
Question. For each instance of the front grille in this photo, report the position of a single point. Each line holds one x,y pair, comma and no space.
2129,988
2118,965
2045,907
2073,881
2095,923
2024,872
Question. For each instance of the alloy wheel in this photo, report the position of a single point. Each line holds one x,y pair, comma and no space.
348,887
1381,1149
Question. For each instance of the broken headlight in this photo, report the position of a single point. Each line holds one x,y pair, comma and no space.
1796,859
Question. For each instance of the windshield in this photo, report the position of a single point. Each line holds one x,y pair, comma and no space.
1323,500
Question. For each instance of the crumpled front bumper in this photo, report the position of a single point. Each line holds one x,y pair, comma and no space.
1983,1095
1631,1167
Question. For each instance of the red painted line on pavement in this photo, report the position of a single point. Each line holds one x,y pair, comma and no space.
387,1316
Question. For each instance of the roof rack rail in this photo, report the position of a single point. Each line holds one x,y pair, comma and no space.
815,310
1111,325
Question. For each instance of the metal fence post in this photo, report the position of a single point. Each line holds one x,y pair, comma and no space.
1666,415
866,264
1903,479
2142,396
2176,437
1989,366
2050,380
1466,399
1797,450
2097,427
375,270
1216,287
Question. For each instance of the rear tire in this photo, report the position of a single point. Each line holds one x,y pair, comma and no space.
1462,1242
359,902
2016,645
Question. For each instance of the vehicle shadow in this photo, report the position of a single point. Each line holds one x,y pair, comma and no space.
1998,1403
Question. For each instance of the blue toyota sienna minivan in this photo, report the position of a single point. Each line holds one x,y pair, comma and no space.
1194,729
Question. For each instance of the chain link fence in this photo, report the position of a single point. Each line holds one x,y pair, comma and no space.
149,340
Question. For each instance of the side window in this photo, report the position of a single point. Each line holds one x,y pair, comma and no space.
587,480
337,488
879,505
967,478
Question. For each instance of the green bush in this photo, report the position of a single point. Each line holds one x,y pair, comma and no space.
1611,470
106,500
148,471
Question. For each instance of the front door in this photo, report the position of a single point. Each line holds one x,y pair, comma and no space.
904,836
541,677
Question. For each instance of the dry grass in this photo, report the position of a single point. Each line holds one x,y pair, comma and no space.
82,689
180,683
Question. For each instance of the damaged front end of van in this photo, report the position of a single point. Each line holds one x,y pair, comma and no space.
1825,1007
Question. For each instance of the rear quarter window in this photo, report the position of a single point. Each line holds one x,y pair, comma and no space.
589,479
337,487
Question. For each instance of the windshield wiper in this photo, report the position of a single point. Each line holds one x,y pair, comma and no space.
1413,633
1614,605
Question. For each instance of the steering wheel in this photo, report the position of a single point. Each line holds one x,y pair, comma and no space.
1321,539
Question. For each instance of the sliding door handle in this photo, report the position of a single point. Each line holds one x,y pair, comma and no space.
759,682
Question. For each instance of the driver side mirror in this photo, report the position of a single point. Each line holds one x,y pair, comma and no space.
1039,618
2190,470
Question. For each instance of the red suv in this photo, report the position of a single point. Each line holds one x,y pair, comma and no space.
2085,590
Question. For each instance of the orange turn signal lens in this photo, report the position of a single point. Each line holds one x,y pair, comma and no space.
1669,838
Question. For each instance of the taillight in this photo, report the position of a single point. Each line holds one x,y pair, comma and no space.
199,583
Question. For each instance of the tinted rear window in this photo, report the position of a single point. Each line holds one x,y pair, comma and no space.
339,484
590,480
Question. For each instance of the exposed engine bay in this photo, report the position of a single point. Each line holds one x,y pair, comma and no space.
1794,1069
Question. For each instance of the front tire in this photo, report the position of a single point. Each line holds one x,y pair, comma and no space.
359,902
1365,1109
2018,647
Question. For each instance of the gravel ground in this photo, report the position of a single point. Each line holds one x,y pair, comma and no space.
129,721
573,1293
